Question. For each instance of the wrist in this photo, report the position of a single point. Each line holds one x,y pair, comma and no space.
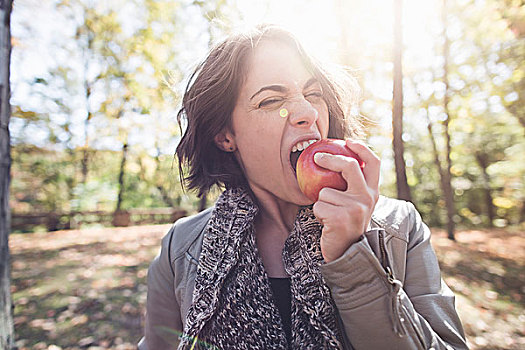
330,256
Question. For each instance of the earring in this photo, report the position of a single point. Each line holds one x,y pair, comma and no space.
231,148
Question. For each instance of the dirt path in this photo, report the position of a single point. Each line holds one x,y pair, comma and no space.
86,289
485,268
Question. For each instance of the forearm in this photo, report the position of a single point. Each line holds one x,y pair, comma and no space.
376,311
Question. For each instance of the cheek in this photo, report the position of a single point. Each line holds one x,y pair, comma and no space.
263,128
258,143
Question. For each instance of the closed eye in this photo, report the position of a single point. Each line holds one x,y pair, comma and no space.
317,93
270,102
314,96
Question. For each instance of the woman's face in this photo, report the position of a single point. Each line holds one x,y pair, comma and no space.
280,105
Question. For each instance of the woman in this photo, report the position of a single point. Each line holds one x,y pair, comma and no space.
264,268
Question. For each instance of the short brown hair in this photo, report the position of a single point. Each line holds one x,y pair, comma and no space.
211,95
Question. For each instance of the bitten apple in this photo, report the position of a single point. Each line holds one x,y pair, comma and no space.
312,178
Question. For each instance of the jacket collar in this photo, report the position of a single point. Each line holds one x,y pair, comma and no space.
231,220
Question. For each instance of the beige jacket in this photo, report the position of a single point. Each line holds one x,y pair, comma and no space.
387,287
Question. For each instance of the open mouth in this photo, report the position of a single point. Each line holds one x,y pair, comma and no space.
294,157
297,149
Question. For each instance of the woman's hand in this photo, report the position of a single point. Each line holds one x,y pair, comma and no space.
345,214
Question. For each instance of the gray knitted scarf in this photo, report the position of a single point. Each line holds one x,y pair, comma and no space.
233,307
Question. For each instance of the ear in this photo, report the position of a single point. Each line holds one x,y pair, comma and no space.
225,141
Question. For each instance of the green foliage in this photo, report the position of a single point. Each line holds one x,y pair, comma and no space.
45,180
486,79
118,72
108,88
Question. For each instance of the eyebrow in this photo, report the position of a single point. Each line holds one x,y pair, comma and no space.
280,88
310,82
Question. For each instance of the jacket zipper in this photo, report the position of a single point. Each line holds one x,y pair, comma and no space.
399,313
383,250
396,307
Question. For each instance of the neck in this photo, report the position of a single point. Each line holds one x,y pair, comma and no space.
273,225
275,213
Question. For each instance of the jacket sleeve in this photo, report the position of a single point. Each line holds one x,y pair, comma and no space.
380,312
163,320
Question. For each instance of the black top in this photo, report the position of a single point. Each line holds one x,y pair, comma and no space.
283,300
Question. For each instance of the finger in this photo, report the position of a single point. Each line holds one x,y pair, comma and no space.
341,198
334,162
323,210
347,166
357,203
334,217
372,161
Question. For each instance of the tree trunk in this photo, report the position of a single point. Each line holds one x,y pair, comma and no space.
121,218
121,176
87,99
484,164
345,52
403,190
85,149
7,334
163,192
447,185
435,151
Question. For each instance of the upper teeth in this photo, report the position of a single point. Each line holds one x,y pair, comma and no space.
301,145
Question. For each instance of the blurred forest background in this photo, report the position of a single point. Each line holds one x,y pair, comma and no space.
96,86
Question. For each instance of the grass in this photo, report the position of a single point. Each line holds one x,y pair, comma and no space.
86,289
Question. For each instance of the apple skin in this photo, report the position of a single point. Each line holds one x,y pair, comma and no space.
312,178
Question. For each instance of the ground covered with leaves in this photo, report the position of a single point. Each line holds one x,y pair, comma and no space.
86,289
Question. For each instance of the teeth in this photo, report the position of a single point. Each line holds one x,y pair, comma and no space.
301,145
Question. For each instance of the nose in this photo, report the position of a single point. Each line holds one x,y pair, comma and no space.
302,113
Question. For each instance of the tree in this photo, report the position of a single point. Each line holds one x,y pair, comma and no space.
403,191
81,70
446,175
435,150
488,138
108,86
7,338
513,13
468,97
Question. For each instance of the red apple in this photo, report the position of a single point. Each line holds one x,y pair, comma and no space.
312,178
